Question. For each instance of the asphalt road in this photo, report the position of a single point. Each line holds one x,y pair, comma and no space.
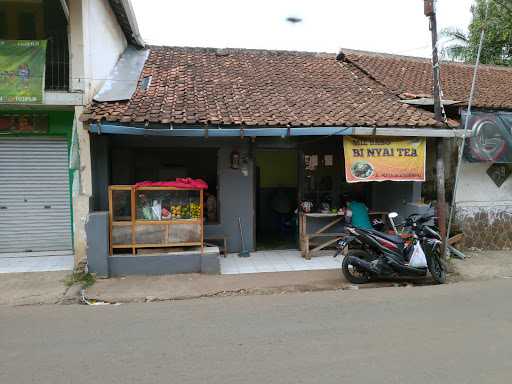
460,333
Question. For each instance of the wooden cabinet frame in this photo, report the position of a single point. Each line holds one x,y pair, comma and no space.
134,223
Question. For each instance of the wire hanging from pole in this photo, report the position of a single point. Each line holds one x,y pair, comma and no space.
466,124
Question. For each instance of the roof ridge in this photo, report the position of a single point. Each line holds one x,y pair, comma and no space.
246,50
420,59
385,89
365,72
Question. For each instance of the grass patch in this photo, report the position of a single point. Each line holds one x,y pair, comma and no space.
85,279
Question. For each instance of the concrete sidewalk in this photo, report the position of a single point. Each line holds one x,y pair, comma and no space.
49,287
32,288
186,286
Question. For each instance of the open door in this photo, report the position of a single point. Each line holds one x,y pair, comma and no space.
276,199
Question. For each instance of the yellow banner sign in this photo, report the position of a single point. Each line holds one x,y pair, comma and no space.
384,158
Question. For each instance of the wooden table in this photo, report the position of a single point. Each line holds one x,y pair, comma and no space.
327,238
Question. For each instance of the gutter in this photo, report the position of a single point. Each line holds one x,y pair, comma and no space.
65,9
130,14
216,131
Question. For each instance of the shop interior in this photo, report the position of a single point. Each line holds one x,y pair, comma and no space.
133,165
276,198
312,172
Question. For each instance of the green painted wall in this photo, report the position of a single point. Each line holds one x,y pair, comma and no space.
60,123
277,168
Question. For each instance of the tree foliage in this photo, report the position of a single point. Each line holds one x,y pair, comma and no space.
497,47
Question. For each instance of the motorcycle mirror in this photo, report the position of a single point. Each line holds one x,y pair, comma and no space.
393,215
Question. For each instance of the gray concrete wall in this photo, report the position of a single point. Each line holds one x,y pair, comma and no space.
188,262
100,163
394,196
236,199
103,265
98,243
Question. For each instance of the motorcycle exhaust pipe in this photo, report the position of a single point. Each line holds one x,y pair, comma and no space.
404,269
362,264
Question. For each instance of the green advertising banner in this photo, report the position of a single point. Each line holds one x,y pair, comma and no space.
22,66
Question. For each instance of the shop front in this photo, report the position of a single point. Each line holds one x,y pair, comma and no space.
35,201
263,193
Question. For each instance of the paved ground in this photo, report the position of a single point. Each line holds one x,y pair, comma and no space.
37,288
36,263
32,288
278,261
175,287
458,333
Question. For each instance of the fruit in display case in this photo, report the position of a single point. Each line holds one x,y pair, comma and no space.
176,211
187,211
195,210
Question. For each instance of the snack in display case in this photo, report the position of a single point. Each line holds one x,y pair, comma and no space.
155,216
167,205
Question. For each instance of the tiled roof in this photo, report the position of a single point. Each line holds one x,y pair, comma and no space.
257,87
402,74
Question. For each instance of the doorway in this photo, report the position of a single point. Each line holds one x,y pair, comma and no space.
276,199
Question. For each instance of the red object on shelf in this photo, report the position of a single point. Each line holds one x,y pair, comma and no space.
187,183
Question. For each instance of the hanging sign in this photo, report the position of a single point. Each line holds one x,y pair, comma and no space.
491,137
22,66
499,173
384,158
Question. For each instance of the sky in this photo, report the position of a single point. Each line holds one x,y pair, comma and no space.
392,26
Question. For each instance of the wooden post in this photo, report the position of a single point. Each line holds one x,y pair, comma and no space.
110,218
134,218
201,218
440,144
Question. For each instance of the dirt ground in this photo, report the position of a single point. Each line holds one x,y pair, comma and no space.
484,265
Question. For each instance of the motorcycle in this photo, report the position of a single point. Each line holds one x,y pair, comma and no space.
377,255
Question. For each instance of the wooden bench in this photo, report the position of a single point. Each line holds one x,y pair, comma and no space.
222,240
325,237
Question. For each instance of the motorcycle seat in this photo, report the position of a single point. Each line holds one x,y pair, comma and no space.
393,238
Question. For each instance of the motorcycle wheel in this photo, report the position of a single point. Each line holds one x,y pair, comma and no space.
436,268
351,273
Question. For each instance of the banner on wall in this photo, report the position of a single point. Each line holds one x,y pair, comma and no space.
384,158
23,123
491,137
22,67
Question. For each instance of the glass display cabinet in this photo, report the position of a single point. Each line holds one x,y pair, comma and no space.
155,217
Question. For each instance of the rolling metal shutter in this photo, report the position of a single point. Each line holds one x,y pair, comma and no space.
34,196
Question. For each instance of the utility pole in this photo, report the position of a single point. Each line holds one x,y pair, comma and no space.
430,12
